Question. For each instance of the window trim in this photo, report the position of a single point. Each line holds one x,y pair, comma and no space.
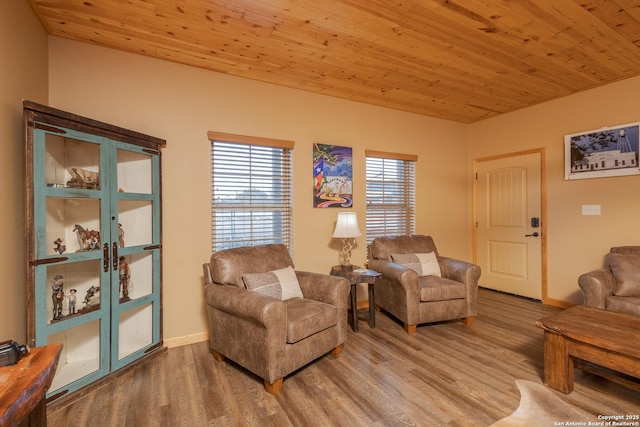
252,140
392,156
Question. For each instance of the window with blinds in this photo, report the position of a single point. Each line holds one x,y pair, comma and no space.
251,182
390,194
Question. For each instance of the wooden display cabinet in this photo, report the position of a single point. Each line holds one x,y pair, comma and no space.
93,232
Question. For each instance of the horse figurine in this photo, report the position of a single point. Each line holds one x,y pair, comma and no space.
88,240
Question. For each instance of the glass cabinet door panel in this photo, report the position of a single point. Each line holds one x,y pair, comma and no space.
71,225
134,172
135,276
135,328
80,353
135,222
73,289
71,163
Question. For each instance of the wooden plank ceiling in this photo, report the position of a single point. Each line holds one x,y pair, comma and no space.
462,60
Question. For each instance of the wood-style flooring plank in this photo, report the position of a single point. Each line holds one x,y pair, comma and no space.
446,374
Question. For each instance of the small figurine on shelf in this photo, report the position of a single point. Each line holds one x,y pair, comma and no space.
121,235
57,295
125,276
72,301
90,293
83,178
94,240
88,240
58,246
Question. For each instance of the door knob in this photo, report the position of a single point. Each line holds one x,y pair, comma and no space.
535,234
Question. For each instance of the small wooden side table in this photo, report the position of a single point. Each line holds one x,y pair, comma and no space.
355,276
23,387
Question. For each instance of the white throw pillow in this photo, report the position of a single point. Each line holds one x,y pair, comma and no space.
280,284
425,264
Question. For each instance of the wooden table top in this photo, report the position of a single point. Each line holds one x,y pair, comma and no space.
24,384
617,332
356,275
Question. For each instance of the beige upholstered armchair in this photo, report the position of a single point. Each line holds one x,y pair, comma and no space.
267,317
420,286
616,287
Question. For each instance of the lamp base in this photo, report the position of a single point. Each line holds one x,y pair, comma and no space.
348,267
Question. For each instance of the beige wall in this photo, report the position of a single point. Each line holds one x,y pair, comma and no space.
23,75
180,104
576,243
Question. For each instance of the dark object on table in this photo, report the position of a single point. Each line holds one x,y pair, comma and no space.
11,352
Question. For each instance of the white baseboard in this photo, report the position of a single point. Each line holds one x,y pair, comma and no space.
186,340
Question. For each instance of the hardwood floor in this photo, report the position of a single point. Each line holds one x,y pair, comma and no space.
447,374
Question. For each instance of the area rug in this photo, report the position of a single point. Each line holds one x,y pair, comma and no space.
539,406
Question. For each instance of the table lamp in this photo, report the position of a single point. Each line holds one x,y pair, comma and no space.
347,229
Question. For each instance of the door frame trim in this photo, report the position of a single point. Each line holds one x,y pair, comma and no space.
543,212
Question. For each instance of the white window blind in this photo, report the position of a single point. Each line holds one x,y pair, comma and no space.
251,181
390,194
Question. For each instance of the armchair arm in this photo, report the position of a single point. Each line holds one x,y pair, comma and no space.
596,286
460,271
324,288
245,304
397,290
406,277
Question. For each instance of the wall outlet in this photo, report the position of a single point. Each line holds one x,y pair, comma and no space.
590,209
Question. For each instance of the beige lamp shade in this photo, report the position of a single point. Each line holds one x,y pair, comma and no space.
347,225
347,229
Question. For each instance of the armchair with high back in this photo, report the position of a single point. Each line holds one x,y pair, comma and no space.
617,286
420,286
269,318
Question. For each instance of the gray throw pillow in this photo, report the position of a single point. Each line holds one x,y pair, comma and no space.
280,284
424,264
626,270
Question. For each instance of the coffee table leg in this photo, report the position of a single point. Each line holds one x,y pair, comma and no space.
558,365
354,307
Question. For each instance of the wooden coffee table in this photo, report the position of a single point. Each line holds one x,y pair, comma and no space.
603,338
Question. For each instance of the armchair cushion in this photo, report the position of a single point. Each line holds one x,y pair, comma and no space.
306,317
626,270
433,288
281,284
425,264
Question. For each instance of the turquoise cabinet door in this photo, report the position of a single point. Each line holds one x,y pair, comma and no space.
71,226
135,321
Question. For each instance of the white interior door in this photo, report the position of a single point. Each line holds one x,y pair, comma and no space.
509,240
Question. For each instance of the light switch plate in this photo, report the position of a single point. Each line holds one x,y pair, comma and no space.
590,209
